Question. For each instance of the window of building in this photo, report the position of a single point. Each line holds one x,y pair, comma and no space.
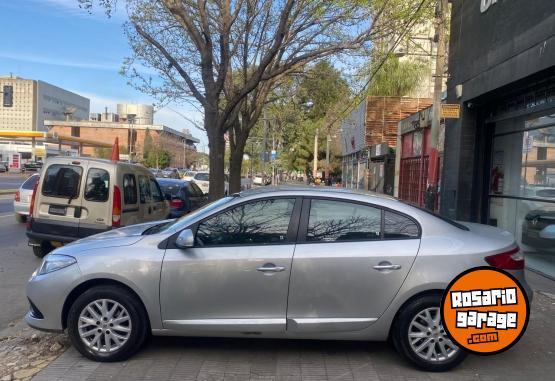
129,189
261,222
8,96
332,221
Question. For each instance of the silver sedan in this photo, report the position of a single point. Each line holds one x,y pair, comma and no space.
286,263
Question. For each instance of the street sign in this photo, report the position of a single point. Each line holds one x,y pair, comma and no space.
451,111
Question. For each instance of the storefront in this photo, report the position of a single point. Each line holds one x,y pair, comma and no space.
499,163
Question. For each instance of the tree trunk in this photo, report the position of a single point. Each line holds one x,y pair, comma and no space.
235,165
216,144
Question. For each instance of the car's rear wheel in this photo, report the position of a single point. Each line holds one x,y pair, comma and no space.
107,323
43,249
419,336
20,218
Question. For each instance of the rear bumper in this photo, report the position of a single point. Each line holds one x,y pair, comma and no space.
21,208
519,275
37,238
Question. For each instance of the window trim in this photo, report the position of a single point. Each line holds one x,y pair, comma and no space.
78,191
87,177
307,201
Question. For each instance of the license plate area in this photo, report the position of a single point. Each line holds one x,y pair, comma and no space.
57,210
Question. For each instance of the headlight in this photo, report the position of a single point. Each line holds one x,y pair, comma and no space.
55,262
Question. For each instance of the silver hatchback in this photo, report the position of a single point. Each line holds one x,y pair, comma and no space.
289,263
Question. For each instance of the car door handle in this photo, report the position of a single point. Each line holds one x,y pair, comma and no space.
387,267
271,268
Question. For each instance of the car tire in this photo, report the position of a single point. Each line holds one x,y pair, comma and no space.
20,218
128,322
43,249
425,312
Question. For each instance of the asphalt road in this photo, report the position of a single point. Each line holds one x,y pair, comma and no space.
11,181
17,262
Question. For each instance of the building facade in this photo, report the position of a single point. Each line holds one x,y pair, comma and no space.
27,103
180,145
499,163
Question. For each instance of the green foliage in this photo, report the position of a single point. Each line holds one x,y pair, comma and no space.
106,153
158,158
397,78
148,144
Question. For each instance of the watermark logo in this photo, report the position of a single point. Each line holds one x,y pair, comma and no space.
485,310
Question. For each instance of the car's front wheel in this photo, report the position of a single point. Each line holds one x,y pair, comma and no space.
107,323
419,336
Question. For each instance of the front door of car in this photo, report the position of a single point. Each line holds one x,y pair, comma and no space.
352,262
236,277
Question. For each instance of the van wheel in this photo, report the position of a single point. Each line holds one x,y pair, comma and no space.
419,336
107,323
20,218
43,249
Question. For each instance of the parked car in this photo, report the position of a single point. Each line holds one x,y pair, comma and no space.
22,198
5,165
364,267
189,175
32,166
79,197
169,173
184,196
202,179
538,230
258,179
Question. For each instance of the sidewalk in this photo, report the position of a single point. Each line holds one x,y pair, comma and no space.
533,358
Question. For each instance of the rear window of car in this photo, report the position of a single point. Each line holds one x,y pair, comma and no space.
171,189
62,180
98,185
202,176
30,182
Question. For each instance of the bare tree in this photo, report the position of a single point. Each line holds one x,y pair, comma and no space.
196,48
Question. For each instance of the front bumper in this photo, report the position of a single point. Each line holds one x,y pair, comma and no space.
48,293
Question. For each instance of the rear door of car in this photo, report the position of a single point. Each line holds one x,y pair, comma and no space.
349,263
96,210
58,206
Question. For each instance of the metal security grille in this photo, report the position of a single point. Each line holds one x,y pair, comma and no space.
413,179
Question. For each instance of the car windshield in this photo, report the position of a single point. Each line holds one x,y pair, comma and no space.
202,176
186,219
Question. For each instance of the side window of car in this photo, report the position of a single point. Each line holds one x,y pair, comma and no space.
144,190
261,222
198,191
398,226
129,189
334,221
190,191
155,191
98,185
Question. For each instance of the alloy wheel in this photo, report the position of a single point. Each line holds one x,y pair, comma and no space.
104,325
427,336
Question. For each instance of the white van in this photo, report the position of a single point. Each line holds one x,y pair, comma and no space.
79,197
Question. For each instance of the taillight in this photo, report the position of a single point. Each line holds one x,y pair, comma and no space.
32,206
176,203
116,208
510,260
17,196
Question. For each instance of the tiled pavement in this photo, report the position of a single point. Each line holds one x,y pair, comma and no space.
533,358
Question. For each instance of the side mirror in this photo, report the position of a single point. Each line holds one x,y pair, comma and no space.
168,196
185,239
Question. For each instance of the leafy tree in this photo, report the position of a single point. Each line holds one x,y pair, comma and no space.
195,47
148,144
158,158
397,78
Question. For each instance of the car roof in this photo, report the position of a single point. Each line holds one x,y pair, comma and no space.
163,181
312,191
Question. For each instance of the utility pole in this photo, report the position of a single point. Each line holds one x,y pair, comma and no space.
328,140
433,164
315,162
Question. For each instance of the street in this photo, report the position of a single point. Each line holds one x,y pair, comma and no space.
11,181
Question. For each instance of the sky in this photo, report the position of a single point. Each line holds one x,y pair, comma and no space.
57,42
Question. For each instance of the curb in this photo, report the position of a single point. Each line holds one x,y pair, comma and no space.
7,191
